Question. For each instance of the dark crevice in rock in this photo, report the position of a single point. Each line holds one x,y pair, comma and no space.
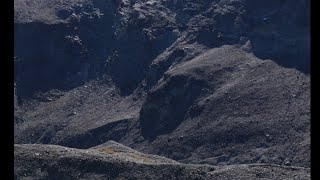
165,109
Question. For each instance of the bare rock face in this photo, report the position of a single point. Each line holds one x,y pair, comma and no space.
77,40
220,82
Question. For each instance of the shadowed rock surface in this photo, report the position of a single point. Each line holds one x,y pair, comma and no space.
220,82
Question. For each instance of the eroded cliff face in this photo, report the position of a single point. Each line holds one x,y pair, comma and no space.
71,41
207,81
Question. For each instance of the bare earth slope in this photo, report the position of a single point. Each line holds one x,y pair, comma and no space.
42,162
239,109
219,82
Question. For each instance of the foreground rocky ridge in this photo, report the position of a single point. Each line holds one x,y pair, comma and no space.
205,82
57,162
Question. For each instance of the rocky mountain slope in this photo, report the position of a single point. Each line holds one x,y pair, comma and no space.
220,82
